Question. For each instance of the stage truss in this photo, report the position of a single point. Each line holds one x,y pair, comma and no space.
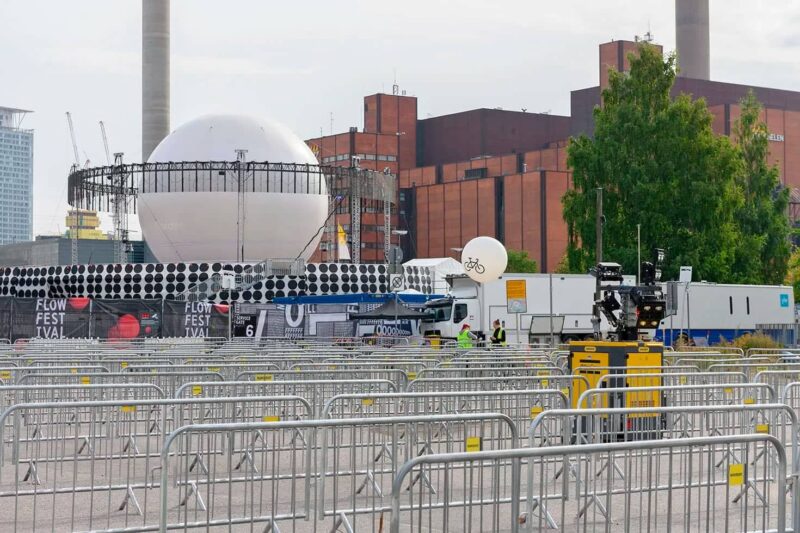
115,188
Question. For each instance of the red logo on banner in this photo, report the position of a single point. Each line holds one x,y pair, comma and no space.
79,304
127,327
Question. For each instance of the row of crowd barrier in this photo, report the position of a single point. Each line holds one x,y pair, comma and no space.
418,440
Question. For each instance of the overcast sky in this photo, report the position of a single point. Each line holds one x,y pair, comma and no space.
299,61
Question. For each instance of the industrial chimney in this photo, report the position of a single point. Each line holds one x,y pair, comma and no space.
155,74
691,33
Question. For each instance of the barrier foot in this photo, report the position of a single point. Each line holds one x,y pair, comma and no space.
370,478
298,434
593,499
32,474
422,476
130,444
246,457
271,527
384,451
747,486
193,491
129,498
342,521
548,518
198,461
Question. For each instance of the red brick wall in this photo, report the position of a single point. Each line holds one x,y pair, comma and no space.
394,115
450,214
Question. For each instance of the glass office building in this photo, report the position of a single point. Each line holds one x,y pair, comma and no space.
16,177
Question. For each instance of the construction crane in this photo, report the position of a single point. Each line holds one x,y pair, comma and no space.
77,214
105,142
74,142
122,246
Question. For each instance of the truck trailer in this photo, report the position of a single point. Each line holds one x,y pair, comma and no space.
708,313
479,305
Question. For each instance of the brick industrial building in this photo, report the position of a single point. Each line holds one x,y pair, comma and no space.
503,173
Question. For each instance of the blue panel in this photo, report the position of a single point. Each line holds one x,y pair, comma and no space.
357,298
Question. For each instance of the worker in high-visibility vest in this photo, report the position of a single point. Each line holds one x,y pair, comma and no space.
465,338
499,334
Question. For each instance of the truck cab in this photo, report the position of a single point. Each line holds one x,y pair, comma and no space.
448,315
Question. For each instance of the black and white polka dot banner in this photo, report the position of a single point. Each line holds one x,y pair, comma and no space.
418,279
169,280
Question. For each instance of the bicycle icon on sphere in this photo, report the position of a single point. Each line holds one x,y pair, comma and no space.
474,264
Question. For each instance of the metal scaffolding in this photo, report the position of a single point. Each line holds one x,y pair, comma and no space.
115,188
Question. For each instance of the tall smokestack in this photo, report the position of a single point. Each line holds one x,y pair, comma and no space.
155,74
691,33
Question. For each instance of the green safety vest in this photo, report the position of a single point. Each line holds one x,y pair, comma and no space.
464,340
501,332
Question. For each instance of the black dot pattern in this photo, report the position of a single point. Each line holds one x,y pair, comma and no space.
419,279
169,280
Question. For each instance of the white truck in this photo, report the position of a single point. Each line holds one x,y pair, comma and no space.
707,313
479,305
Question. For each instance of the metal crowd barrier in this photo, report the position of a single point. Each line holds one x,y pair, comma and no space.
594,426
316,392
677,395
169,382
671,378
407,366
228,371
751,369
398,377
705,363
667,485
83,466
16,375
478,371
777,379
790,395
337,476
521,406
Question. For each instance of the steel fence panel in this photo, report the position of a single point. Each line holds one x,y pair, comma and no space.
669,379
228,371
521,406
334,478
398,377
777,379
790,395
566,384
478,371
677,395
85,466
169,382
751,369
660,486
316,392
592,426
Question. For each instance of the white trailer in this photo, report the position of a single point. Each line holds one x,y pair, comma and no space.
706,313
479,305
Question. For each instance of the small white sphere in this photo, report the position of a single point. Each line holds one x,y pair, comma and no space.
194,217
484,259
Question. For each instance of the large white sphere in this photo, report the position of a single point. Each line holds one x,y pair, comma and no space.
200,223
484,259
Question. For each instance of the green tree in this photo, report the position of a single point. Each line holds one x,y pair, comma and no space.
765,250
660,165
520,263
793,274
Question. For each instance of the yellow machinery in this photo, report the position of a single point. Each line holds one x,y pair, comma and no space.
595,359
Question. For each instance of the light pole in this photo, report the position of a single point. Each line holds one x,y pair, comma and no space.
639,252
395,255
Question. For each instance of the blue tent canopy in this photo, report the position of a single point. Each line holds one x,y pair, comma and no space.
358,298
